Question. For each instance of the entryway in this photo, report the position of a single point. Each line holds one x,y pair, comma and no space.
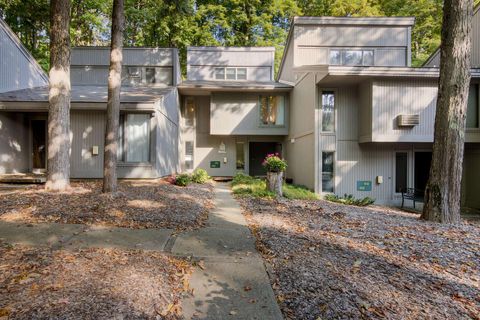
422,163
39,145
257,153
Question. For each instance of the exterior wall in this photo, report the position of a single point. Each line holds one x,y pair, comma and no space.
15,146
301,140
202,61
167,140
471,177
286,69
239,114
98,75
18,69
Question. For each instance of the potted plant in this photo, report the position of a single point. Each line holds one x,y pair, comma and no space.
275,166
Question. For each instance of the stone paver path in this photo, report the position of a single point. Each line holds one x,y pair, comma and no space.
230,282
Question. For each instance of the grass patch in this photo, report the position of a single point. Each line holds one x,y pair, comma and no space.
244,185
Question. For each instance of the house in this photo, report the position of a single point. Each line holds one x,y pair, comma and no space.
149,113
361,118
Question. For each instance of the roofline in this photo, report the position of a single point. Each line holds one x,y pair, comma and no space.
222,48
24,50
382,21
124,48
285,49
432,55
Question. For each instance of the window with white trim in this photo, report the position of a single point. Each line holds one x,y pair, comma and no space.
231,73
134,138
351,57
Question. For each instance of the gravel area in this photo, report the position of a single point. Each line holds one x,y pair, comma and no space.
38,283
331,261
137,204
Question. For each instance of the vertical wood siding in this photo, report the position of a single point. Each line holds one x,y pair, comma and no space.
136,57
14,143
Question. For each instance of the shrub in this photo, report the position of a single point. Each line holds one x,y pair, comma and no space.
183,180
349,199
200,176
273,163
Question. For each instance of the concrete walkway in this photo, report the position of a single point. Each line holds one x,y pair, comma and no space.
230,282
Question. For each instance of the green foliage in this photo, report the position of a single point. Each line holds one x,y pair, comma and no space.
349,199
291,191
245,185
183,180
273,163
200,176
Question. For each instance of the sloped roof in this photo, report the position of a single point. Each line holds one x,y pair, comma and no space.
216,85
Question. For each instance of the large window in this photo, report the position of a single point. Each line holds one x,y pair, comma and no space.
473,107
328,181
231,73
188,155
240,163
351,57
272,110
137,75
401,171
328,111
189,113
134,138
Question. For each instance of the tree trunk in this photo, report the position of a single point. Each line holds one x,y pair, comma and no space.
58,178
443,191
113,104
275,182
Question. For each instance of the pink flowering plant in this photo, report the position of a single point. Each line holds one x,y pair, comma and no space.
273,163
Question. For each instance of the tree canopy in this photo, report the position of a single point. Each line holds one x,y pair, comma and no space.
180,23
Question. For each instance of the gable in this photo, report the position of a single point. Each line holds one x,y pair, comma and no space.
18,69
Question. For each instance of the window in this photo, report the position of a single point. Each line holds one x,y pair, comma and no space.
231,73
135,72
351,57
272,110
136,75
189,113
401,171
150,75
328,111
473,107
240,163
188,155
134,138
327,171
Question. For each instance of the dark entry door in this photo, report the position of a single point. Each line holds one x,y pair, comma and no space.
39,144
422,169
257,153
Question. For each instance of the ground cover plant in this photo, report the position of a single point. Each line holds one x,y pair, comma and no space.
334,261
349,199
41,283
138,204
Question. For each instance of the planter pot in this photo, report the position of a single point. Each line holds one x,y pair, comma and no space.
274,182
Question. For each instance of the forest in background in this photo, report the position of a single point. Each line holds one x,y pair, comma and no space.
182,23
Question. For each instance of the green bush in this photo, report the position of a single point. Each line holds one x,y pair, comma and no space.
183,180
349,199
273,163
200,176
291,191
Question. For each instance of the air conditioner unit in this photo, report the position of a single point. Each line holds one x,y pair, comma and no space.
408,120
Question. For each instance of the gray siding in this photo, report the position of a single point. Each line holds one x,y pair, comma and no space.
15,147
167,141
100,56
471,178
18,69
239,114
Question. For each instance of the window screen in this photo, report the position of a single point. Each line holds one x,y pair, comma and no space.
335,57
231,75
220,73
353,57
241,74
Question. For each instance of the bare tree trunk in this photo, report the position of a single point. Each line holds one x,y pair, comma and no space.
58,178
113,104
443,191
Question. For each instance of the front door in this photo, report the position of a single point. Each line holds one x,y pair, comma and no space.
39,145
422,169
257,153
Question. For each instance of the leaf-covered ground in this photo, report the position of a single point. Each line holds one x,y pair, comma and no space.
38,283
138,204
331,261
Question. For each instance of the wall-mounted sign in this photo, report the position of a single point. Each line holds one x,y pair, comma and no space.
364,185
214,164
222,148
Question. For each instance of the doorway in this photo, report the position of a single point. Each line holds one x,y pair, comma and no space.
422,169
39,145
257,153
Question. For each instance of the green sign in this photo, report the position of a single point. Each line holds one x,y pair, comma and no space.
364,185
214,164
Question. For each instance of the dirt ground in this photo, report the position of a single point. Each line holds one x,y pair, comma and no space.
38,283
330,261
138,204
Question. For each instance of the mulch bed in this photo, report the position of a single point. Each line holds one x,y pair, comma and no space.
137,204
38,283
330,261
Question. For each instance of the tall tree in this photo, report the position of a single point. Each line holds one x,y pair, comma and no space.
443,192
113,104
58,177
